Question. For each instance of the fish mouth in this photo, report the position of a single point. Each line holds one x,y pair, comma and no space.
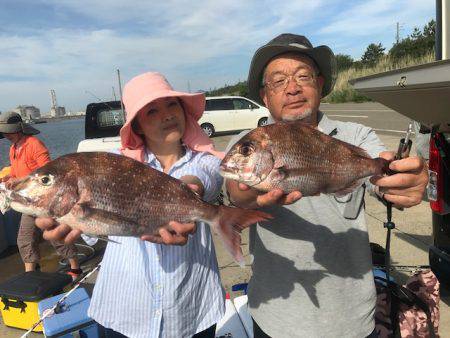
239,178
19,198
229,175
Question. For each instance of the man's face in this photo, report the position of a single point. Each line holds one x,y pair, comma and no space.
292,89
13,137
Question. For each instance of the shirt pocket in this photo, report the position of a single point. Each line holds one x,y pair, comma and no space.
352,204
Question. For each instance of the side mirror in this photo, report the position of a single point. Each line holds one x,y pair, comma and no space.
250,106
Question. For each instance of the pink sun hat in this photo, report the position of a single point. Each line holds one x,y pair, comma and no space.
148,87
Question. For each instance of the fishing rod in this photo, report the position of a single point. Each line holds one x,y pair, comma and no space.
54,309
403,150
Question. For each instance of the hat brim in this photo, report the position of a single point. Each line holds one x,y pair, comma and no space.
322,55
193,104
22,127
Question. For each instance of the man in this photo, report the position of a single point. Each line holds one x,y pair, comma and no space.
312,272
26,154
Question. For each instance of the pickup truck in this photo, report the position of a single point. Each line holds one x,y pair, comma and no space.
422,93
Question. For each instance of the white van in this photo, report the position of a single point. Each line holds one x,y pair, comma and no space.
227,113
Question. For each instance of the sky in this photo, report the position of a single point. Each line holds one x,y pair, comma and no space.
76,46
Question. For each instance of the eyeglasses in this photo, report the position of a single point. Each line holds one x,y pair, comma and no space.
279,82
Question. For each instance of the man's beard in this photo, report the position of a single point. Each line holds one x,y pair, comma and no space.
305,115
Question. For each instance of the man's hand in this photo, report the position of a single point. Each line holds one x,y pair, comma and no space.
407,186
54,231
244,196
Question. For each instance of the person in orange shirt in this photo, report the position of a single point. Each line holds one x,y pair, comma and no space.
26,154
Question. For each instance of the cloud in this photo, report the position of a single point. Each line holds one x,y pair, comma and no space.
208,43
375,21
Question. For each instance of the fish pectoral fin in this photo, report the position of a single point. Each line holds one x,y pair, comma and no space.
84,210
278,164
278,174
106,239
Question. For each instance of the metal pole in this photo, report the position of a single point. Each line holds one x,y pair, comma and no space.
114,94
438,33
120,92
445,27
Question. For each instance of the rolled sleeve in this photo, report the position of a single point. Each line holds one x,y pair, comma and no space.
370,142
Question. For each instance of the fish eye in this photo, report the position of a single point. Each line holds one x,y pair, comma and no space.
46,180
246,149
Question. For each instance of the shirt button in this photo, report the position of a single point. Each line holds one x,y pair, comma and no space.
158,286
158,312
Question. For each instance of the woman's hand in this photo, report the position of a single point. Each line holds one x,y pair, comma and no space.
54,231
177,233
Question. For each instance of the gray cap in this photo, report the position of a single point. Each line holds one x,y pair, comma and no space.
291,43
11,122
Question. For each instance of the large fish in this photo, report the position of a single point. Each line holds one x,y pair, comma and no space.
295,156
107,194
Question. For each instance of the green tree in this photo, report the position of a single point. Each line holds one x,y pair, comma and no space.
372,54
343,62
417,44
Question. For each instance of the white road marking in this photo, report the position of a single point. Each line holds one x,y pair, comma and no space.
392,131
350,116
360,110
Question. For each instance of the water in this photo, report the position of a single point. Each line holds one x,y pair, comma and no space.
60,137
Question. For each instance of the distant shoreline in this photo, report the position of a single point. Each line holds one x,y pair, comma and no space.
56,119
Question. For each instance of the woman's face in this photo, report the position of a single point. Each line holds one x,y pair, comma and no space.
161,121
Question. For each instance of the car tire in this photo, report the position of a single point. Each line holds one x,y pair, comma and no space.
262,122
208,129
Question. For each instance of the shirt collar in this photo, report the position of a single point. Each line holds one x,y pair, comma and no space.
151,159
325,125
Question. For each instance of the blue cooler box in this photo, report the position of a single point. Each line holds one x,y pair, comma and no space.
72,319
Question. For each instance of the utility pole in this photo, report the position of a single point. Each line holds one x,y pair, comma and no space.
397,34
120,92
114,94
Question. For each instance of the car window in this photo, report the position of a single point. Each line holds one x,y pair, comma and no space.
242,104
219,104
110,118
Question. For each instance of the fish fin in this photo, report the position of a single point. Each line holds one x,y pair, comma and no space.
350,188
278,164
102,216
106,239
278,174
229,224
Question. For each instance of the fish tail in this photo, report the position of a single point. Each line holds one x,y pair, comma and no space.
382,166
230,222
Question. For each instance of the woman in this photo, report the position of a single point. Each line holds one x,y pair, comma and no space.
26,154
154,290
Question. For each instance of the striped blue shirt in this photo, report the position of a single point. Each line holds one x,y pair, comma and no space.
154,290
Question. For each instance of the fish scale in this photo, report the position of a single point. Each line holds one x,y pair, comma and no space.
295,156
